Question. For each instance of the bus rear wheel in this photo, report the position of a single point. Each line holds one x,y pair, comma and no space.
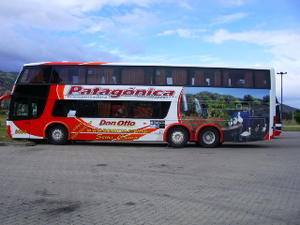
209,137
57,135
177,137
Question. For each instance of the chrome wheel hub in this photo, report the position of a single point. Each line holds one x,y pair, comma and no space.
209,137
177,137
57,134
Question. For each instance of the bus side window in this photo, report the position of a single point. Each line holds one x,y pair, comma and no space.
133,75
196,77
262,79
149,76
238,78
119,109
78,75
96,75
104,109
208,79
160,76
205,77
179,76
171,76
60,75
142,110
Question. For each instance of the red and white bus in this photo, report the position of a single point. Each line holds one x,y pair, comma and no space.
62,101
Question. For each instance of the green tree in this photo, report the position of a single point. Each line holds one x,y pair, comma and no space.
297,117
249,98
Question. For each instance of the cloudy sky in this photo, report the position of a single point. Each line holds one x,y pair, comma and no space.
212,33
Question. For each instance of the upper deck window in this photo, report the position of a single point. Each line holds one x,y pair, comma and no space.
39,74
146,75
171,76
68,75
262,79
102,75
238,78
205,77
135,75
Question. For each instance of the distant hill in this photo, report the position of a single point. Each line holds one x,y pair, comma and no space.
288,112
6,82
288,109
14,73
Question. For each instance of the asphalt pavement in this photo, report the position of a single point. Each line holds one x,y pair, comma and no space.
151,184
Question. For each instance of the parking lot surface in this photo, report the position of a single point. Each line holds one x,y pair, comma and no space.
122,184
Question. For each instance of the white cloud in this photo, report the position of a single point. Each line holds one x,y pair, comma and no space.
184,33
284,45
15,50
37,30
281,43
229,18
135,21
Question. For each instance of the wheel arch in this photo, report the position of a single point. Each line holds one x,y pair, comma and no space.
54,123
185,126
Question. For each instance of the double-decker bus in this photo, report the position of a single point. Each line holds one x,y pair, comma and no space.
62,101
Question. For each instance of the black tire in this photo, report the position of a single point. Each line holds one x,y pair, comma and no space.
57,135
209,137
177,137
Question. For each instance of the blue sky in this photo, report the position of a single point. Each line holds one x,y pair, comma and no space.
212,33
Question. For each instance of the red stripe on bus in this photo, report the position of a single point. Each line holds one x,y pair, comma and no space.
60,91
5,97
95,63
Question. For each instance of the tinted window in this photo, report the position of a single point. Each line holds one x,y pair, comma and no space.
133,75
103,75
37,74
20,108
68,75
111,109
205,77
238,78
171,76
262,79
37,107
26,108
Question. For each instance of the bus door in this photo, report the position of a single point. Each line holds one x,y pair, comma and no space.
20,113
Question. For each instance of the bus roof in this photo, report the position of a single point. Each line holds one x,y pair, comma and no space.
138,64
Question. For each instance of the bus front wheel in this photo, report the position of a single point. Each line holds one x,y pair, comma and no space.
177,137
209,137
57,135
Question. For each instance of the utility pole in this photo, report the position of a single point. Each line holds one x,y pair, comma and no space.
281,94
